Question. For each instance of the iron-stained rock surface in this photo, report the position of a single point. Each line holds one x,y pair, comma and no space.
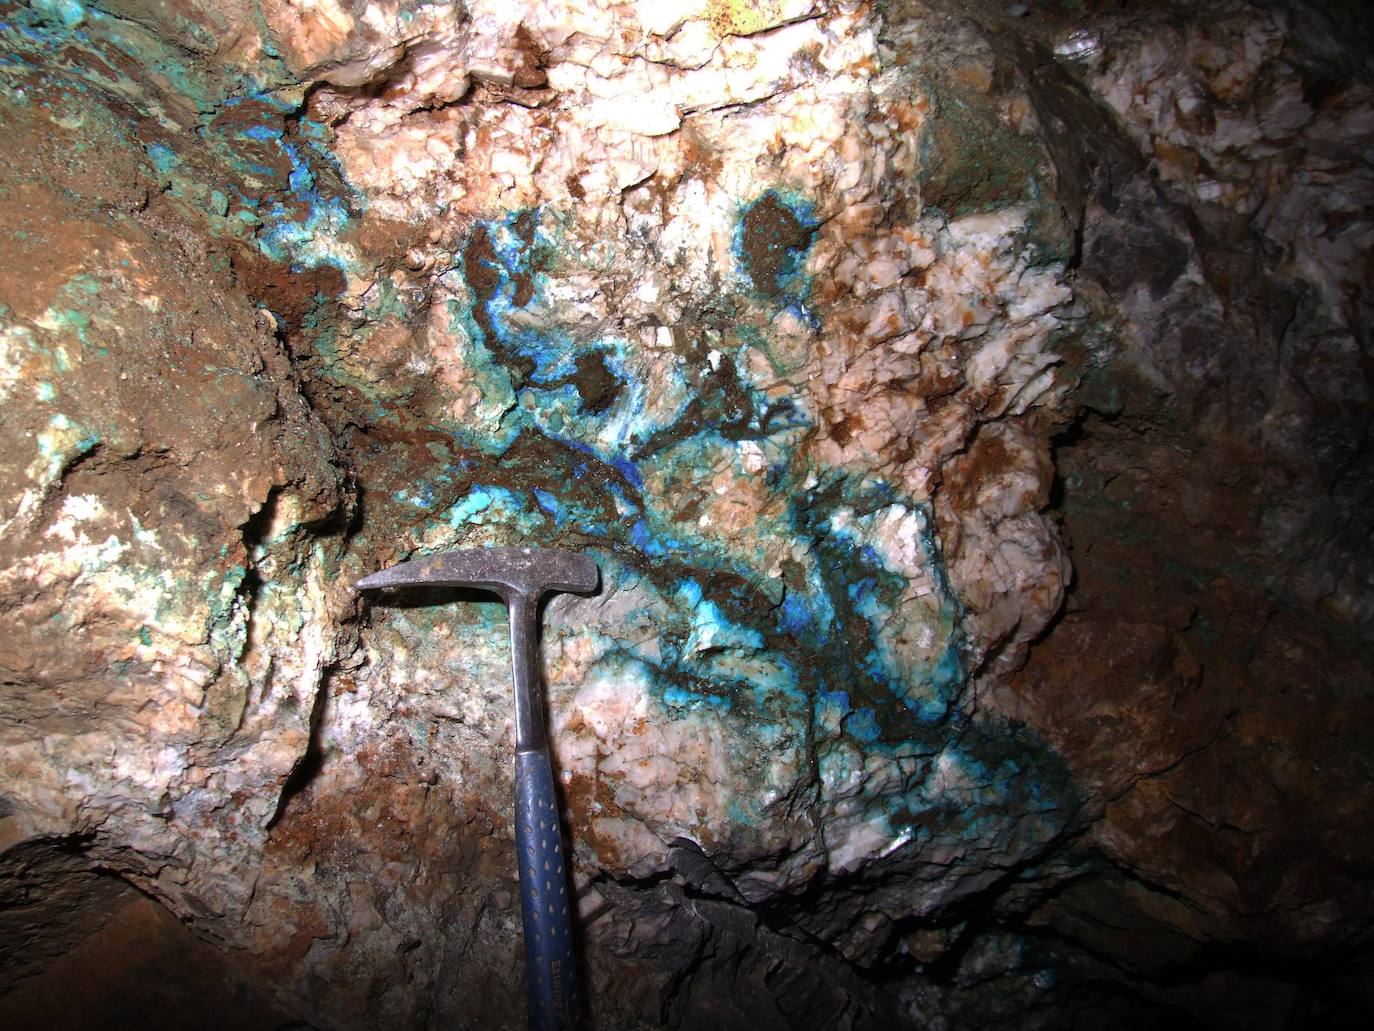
967,407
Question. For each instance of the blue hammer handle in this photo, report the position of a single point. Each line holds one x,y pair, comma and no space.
549,971
521,576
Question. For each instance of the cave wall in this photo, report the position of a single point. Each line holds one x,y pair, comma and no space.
966,407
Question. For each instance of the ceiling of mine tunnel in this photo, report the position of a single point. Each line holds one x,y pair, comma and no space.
966,407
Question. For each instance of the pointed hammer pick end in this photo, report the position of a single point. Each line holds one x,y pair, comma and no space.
374,581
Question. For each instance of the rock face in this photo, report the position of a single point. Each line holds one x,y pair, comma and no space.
968,412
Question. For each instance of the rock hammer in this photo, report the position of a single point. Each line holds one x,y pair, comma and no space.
521,576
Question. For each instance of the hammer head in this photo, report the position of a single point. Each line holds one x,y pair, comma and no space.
510,572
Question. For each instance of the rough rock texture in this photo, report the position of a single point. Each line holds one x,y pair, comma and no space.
968,410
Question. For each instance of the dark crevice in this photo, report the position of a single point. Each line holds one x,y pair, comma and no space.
312,760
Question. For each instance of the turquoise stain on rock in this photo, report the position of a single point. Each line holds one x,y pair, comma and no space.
642,539
293,220
287,237
477,501
550,504
732,652
60,444
862,725
681,698
66,13
164,159
262,132
712,630
500,506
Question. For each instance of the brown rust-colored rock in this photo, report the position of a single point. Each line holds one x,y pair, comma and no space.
771,231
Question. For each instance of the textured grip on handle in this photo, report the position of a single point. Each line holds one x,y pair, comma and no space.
549,970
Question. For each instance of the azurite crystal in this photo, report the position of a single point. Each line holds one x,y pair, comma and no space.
765,306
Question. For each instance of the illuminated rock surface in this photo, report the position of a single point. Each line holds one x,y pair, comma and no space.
846,339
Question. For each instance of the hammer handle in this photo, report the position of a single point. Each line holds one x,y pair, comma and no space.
549,971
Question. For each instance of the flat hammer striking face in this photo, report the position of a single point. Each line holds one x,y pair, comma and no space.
521,576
